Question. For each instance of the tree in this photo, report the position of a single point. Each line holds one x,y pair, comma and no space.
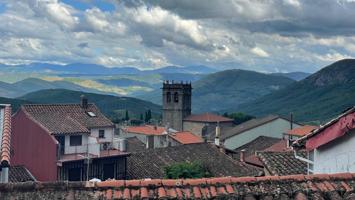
148,116
141,116
239,117
126,116
186,170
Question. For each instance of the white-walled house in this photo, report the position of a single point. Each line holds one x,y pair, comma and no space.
158,136
331,148
270,126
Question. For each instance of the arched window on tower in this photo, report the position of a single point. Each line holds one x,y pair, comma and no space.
168,97
176,97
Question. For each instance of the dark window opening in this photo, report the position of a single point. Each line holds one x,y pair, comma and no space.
101,133
176,97
168,97
75,140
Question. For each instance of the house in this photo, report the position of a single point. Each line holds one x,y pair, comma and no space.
176,98
67,142
294,134
203,124
158,136
296,187
152,162
271,126
247,152
5,138
331,147
20,174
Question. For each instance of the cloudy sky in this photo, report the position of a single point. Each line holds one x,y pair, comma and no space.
261,35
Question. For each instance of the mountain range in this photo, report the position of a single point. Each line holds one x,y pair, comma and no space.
228,89
94,69
112,106
316,99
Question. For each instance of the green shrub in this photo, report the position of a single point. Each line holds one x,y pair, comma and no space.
186,170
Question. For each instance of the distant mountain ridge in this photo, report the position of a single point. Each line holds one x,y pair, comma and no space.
227,89
297,76
315,99
112,106
94,69
34,84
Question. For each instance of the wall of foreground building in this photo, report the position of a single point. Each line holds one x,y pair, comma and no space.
275,128
336,156
33,147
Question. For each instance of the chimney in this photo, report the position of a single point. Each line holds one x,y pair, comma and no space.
242,155
218,134
123,145
150,142
83,102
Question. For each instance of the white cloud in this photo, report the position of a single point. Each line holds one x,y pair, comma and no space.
259,52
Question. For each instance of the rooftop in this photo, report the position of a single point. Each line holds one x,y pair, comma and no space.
186,137
321,186
328,132
207,117
67,118
248,125
302,131
146,130
134,144
5,134
150,163
20,174
283,163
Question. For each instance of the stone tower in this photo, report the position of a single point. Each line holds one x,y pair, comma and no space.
176,103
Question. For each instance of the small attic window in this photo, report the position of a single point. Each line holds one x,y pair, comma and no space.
91,114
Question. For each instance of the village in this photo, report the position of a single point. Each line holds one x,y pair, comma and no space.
56,144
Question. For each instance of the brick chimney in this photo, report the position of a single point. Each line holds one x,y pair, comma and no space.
83,102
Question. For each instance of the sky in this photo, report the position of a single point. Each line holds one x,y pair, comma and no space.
259,35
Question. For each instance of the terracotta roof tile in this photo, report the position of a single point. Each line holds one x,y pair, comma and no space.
20,174
207,117
186,137
5,133
151,162
134,144
302,130
283,187
283,163
146,130
66,118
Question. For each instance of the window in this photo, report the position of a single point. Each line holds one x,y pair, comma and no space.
75,140
168,97
91,114
176,97
101,133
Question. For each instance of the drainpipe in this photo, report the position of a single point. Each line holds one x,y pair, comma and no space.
302,158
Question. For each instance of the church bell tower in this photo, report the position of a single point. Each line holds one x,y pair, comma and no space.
176,104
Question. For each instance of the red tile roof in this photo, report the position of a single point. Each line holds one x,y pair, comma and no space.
5,122
66,118
207,117
146,130
302,131
320,186
186,137
335,186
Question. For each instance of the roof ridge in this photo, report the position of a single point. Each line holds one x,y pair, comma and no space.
220,180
